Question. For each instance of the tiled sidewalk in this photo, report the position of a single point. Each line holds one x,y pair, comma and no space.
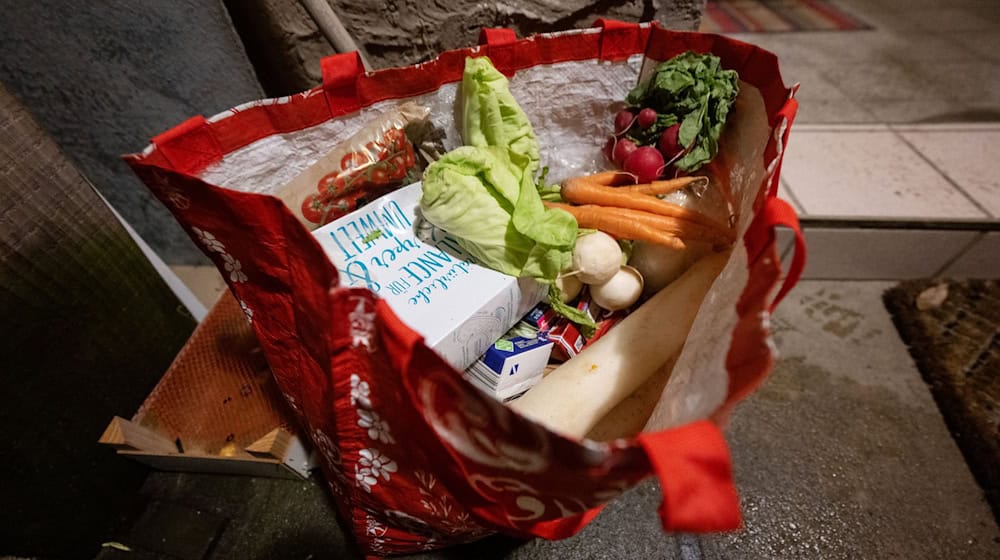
897,201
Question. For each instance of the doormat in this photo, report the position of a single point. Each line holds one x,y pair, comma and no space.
952,330
775,16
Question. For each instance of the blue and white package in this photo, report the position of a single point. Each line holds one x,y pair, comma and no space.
511,366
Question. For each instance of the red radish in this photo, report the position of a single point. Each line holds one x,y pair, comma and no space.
646,118
609,148
623,121
623,150
669,143
646,163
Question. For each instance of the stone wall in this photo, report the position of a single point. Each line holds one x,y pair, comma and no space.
285,45
102,78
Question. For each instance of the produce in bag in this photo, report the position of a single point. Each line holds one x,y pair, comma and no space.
415,457
376,160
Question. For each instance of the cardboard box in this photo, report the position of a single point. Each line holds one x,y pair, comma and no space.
429,281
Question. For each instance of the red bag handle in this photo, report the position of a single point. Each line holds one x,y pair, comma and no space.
499,46
340,82
620,40
777,212
696,478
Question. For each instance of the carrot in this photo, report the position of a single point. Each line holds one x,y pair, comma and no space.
611,222
581,191
658,188
683,229
680,228
611,178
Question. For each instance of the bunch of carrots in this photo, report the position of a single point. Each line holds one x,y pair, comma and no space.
606,202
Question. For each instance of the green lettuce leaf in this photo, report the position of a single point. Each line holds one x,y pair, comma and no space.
492,117
486,195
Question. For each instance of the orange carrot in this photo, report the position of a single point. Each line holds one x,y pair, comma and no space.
611,178
657,188
611,222
626,181
581,191
681,228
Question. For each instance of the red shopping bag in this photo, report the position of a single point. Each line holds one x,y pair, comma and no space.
415,456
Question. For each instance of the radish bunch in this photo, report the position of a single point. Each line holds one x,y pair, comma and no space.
646,162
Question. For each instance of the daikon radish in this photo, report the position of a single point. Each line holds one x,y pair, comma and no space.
629,417
576,395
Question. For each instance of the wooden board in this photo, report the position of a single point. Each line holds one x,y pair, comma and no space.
88,328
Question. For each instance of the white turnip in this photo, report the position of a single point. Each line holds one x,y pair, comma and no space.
596,258
569,287
661,265
620,292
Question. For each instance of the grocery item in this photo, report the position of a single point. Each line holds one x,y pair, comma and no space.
574,397
429,280
376,160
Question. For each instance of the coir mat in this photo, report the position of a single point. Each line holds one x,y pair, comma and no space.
952,330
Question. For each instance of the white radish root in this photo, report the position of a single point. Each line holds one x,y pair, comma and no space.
629,417
575,396
621,291
661,265
596,257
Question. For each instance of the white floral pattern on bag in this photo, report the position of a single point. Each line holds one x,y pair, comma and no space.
372,465
471,430
378,429
247,311
362,326
177,199
373,527
230,263
234,268
209,241
359,392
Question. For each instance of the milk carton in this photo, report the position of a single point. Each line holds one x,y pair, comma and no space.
439,290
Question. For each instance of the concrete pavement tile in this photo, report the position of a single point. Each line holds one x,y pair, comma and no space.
881,254
950,18
907,110
826,111
982,260
842,454
982,44
967,80
967,157
175,530
868,174
270,518
884,81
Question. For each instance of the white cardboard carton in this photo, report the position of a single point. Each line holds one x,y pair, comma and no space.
435,287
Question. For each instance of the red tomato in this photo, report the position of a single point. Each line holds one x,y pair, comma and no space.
395,138
397,167
409,157
380,175
354,160
313,208
333,183
376,151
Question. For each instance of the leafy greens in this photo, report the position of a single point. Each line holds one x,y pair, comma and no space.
485,193
694,90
